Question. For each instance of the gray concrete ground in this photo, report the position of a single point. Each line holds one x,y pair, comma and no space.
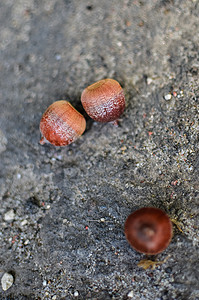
62,210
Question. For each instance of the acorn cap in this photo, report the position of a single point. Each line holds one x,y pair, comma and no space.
148,230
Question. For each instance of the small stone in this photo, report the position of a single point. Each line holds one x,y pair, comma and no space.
76,294
24,222
44,283
59,157
57,56
149,80
54,297
102,220
119,44
167,97
9,215
18,176
6,281
130,294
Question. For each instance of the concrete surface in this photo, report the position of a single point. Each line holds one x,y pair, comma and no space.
62,210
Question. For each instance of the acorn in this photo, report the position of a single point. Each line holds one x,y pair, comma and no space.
61,124
104,100
148,230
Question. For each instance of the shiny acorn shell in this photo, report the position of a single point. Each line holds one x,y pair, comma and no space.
148,230
61,124
104,100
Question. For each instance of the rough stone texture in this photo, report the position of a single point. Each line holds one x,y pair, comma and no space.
66,240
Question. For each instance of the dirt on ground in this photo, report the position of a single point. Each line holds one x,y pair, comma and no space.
62,209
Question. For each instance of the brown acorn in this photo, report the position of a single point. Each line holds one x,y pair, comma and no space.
61,124
148,230
104,100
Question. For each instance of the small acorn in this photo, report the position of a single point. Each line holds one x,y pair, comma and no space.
61,124
148,230
104,100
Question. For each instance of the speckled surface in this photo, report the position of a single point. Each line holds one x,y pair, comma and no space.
65,239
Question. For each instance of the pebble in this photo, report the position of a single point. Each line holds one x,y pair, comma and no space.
130,294
6,281
9,215
54,297
167,97
149,80
24,222
76,294
44,283
119,44
59,157
57,56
